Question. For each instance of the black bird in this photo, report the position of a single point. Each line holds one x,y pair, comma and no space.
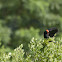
50,32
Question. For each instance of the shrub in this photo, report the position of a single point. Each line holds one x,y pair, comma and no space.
5,33
23,36
38,52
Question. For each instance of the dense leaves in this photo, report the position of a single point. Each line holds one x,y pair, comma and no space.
20,20
38,52
21,14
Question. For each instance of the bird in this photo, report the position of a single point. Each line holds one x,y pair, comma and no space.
50,33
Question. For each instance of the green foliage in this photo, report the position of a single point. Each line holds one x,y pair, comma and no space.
23,36
38,52
18,54
20,20
4,33
50,52
18,14
4,53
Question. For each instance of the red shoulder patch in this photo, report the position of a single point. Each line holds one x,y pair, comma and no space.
47,31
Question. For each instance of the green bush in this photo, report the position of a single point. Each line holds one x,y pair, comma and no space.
18,14
5,33
39,51
23,36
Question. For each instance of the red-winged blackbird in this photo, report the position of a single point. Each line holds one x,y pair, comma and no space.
50,32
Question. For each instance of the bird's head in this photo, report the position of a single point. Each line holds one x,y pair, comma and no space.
47,31
46,34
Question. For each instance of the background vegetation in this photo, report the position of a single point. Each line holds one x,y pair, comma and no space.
21,20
